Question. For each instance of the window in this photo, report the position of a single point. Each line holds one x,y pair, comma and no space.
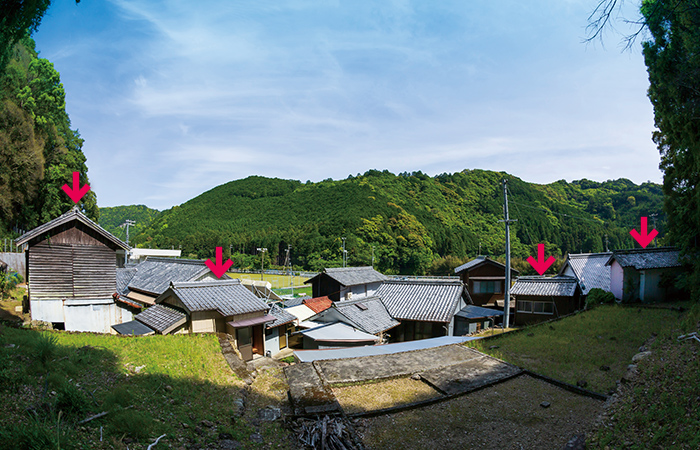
536,307
487,287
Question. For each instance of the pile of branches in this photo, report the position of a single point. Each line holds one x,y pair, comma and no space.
328,433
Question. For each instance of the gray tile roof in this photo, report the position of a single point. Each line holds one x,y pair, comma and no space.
124,276
154,275
590,270
73,214
559,286
133,328
422,300
481,260
281,316
367,314
477,312
160,317
296,301
228,297
352,276
650,258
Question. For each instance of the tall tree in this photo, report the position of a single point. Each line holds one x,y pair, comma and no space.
672,57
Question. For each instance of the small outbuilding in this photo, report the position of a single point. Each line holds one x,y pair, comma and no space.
472,319
72,274
346,283
538,298
644,275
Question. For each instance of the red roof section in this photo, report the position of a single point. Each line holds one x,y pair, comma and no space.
319,304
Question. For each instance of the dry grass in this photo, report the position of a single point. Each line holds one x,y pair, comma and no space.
507,415
493,332
384,394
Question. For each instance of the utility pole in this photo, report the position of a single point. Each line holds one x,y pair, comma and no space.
373,256
291,274
606,244
344,254
126,224
506,299
262,251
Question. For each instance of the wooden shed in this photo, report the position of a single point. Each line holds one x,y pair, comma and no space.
71,271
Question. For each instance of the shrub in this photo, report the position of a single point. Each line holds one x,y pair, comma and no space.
599,297
45,347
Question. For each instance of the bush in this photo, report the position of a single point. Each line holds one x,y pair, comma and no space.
45,347
599,297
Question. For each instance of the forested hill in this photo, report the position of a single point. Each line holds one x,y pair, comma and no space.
112,219
410,221
38,149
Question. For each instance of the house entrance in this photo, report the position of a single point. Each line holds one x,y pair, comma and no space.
258,340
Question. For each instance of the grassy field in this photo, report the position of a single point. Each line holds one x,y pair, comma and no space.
179,386
277,281
595,346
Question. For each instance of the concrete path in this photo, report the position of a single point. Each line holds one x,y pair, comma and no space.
308,392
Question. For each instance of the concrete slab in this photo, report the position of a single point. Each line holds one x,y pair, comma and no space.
467,376
308,393
394,365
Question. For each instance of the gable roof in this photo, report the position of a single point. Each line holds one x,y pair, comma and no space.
558,286
228,297
590,270
296,301
124,276
481,260
423,300
318,304
647,258
281,316
161,318
367,314
352,276
154,275
73,214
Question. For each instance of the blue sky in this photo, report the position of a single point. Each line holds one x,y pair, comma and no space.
176,97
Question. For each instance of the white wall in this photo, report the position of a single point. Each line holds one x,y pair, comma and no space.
97,318
47,310
616,280
272,342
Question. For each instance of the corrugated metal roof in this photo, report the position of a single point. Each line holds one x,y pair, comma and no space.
160,317
73,214
338,332
559,286
374,350
228,297
368,314
590,270
133,328
281,316
154,275
352,276
649,258
422,300
477,312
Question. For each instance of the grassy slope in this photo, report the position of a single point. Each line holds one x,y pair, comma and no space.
150,386
575,348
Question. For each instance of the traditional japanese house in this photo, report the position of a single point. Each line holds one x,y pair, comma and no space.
346,283
639,274
485,280
589,269
543,298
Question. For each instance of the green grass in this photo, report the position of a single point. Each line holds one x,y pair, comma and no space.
149,385
277,281
575,348
297,291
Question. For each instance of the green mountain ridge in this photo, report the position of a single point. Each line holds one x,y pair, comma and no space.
409,221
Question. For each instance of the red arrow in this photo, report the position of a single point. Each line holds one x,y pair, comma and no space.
76,192
644,239
540,265
219,269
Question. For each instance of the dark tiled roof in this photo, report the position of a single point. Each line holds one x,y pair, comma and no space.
368,314
559,286
318,304
650,258
133,328
281,316
352,276
422,300
124,276
73,214
160,317
155,274
481,260
477,312
228,297
590,270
